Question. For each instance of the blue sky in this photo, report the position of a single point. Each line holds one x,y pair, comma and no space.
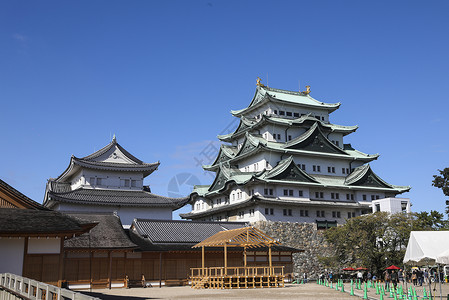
163,76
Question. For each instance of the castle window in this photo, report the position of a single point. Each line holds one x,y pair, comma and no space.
296,115
275,112
100,181
304,213
269,211
251,212
287,212
300,193
282,113
320,213
289,114
285,192
124,182
364,197
241,214
289,137
373,197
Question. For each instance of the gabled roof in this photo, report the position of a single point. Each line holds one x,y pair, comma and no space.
226,175
364,176
114,197
225,153
108,234
12,198
30,222
314,140
286,169
112,157
265,94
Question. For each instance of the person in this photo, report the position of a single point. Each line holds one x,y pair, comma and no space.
304,276
414,277
360,275
368,276
401,276
330,276
426,276
374,278
394,279
387,279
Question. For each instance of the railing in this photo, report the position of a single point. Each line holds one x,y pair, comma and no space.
32,289
237,271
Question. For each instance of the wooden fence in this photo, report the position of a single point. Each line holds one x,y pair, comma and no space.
24,288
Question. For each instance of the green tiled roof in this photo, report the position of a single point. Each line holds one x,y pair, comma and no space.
301,121
265,94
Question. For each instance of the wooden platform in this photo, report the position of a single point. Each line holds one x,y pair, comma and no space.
237,277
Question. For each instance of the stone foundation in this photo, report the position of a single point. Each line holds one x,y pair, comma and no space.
304,236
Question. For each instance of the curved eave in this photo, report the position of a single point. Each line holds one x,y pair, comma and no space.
54,198
330,107
258,199
146,169
69,171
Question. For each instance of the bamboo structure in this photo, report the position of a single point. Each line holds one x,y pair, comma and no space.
238,277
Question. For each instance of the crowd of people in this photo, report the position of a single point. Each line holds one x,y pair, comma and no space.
415,276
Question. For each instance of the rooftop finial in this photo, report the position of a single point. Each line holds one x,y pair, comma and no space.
307,91
113,138
259,83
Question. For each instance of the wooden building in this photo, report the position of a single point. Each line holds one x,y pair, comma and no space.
12,198
167,255
32,242
100,257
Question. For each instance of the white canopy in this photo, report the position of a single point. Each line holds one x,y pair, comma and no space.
424,247
443,258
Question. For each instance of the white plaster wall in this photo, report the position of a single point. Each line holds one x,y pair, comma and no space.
77,181
391,205
44,245
323,163
335,136
112,179
250,161
126,214
11,255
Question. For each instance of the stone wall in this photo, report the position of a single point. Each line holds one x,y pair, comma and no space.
304,236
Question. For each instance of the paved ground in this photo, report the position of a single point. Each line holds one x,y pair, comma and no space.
291,291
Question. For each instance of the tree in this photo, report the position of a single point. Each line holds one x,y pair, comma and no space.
378,240
442,182
431,221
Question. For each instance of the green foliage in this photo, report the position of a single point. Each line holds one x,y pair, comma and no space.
442,182
378,240
431,221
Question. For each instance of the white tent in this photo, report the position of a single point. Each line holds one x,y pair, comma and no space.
424,247
443,258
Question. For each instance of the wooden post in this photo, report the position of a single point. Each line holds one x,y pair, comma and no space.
61,262
225,259
269,258
110,269
160,269
244,256
202,261
25,256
